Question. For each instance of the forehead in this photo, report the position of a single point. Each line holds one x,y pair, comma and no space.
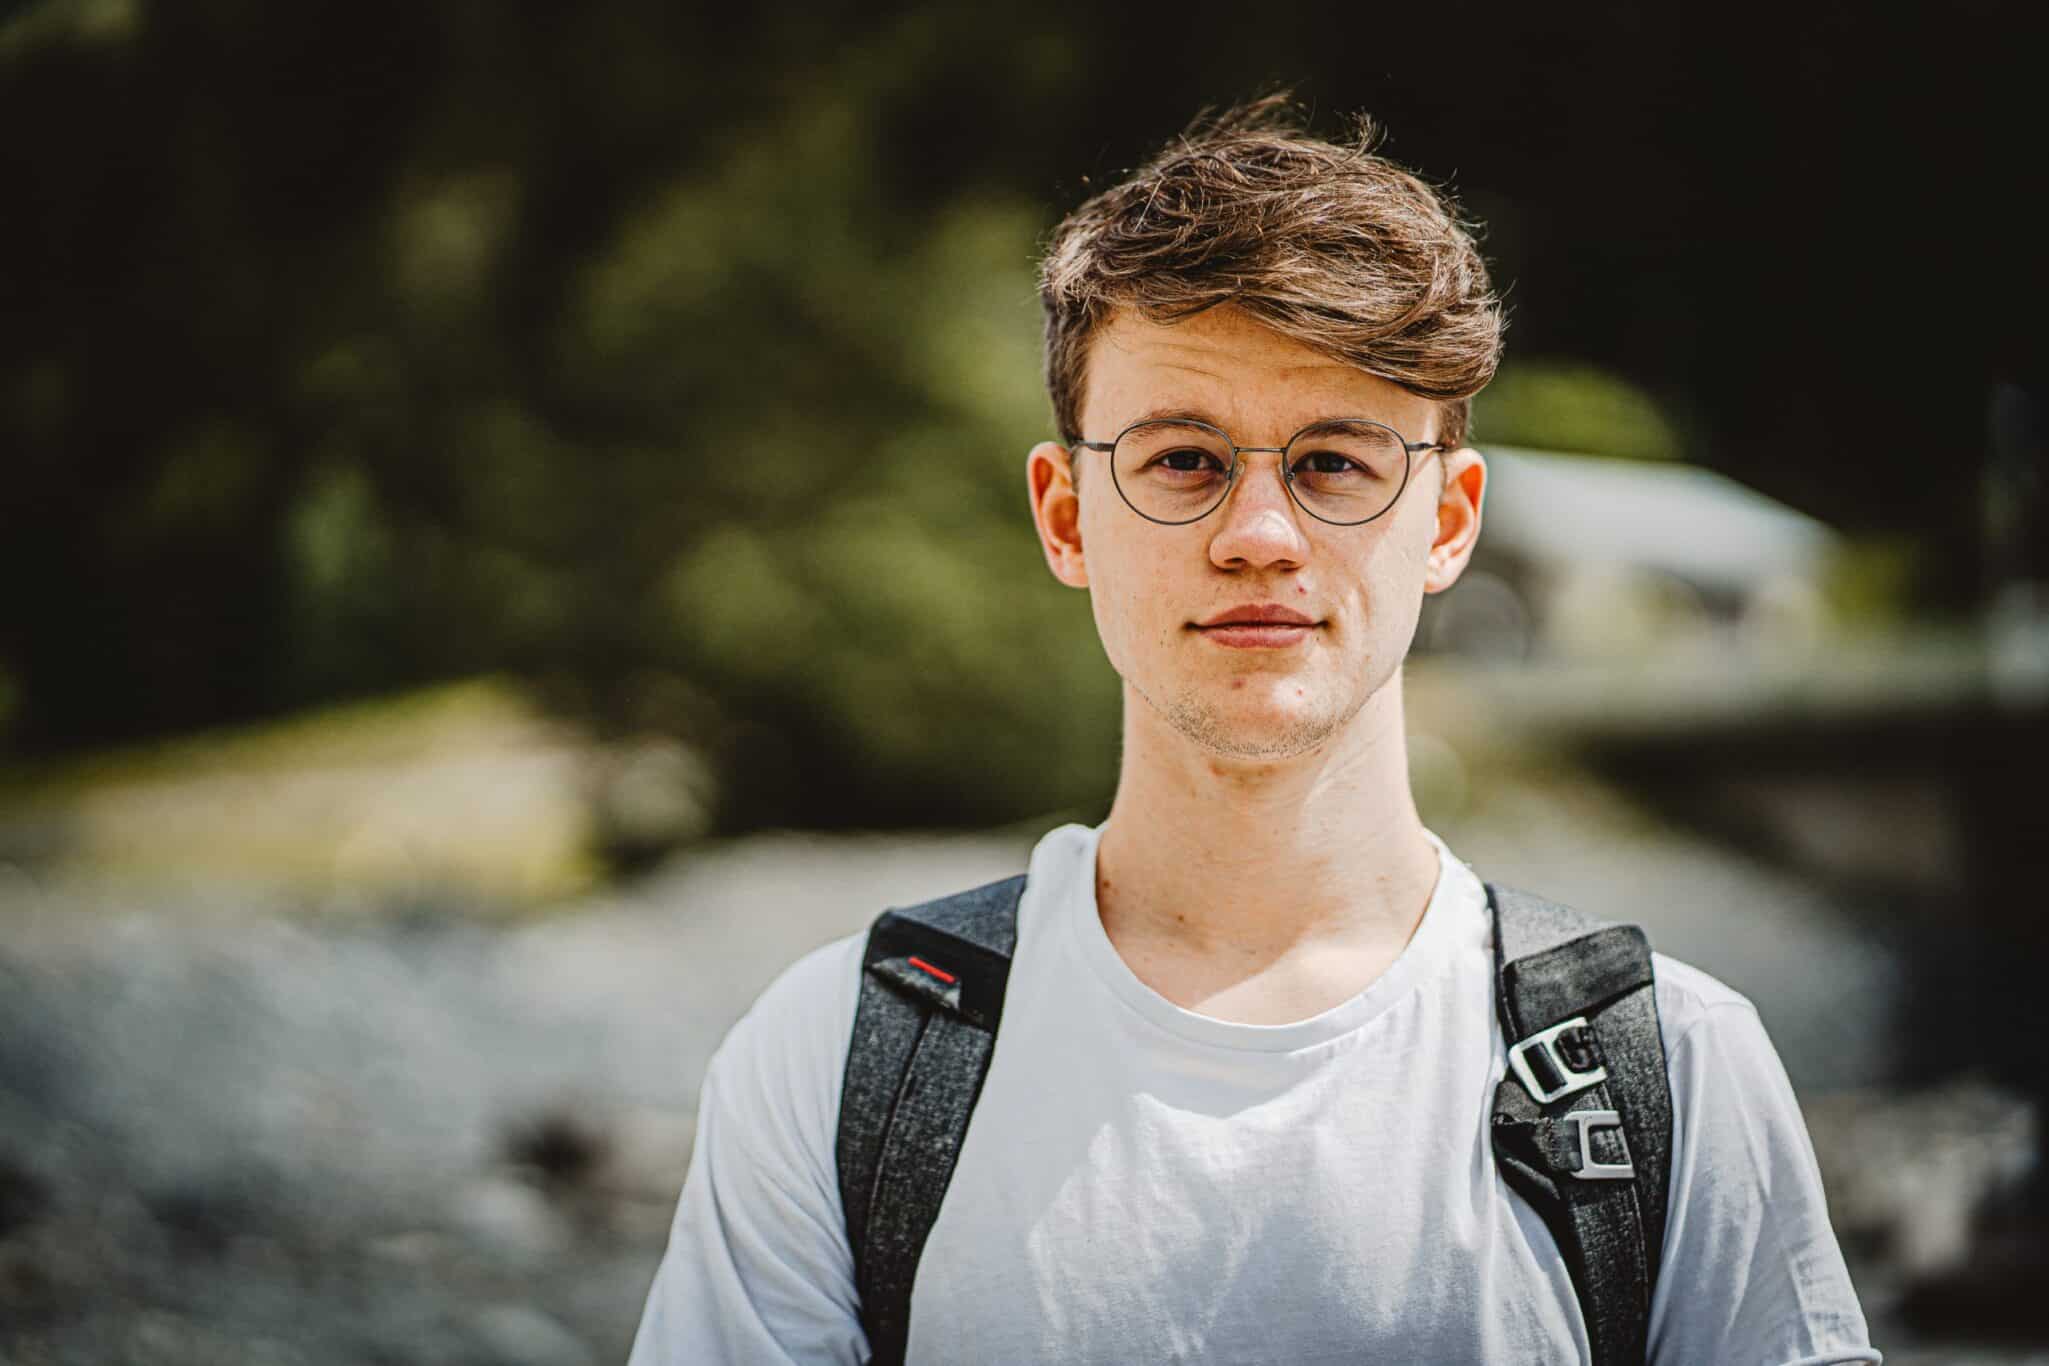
1228,367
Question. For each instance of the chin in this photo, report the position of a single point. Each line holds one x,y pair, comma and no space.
1254,723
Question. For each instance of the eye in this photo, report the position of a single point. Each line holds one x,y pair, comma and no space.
1187,460
1326,463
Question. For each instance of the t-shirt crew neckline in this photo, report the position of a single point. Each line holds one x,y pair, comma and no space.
1427,947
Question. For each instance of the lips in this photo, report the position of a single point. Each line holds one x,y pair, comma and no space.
1258,614
1261,626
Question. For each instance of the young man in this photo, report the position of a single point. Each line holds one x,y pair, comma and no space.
1239,1105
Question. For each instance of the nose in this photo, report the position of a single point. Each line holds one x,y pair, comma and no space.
1258,525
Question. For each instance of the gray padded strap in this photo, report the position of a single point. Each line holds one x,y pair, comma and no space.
920,1147
932,989
1526,925
1555,964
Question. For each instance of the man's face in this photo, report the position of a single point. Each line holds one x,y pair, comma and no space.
1265,694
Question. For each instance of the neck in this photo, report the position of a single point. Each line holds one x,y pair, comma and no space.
1216,854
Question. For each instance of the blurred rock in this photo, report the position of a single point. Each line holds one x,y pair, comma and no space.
651,797
651,1153
1909,1174
1942,1188
23,1196
516,1335
508,1218
225,1122
467,787
560,1146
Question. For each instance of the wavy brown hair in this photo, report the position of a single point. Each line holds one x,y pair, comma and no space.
1328,243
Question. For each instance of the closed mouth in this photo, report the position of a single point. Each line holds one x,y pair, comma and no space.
1264,614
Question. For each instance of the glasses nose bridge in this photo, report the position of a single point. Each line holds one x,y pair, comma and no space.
1239,463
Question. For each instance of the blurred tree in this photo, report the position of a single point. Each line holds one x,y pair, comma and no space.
682,360
1568,406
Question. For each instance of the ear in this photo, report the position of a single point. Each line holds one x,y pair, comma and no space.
1458,518
1056,511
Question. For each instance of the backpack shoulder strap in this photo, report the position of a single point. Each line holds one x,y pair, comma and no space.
1582,1124
932,986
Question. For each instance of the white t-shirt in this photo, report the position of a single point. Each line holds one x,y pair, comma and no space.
1141,1183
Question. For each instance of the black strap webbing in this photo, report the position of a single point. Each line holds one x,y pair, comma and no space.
1552,965
931,998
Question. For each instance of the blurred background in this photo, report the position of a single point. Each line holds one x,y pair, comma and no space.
512,529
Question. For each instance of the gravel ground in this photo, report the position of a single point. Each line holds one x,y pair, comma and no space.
235,1128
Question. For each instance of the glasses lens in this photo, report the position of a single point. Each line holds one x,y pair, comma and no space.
1347,471
1172,471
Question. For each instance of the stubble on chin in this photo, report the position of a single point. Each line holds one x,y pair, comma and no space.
1205,722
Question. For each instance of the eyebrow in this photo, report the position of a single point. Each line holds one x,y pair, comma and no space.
1171,414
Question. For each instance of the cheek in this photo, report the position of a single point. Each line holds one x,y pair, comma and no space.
1142,585
1389,569
1116,580
1407,546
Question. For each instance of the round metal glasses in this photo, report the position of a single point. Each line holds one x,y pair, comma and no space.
1176,470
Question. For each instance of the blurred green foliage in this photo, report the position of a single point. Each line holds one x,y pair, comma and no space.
680,362
802,493
1573,406
743,463
1869,581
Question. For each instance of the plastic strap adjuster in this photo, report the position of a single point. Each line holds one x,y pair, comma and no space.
1590,1170
1545,1042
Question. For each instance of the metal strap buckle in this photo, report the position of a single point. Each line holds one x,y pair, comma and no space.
1590,1170
1570,1081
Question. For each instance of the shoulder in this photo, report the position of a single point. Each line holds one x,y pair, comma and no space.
1716,1043
757,1266
1762,1277
784,1058
1690,999
822,983
1736,1120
